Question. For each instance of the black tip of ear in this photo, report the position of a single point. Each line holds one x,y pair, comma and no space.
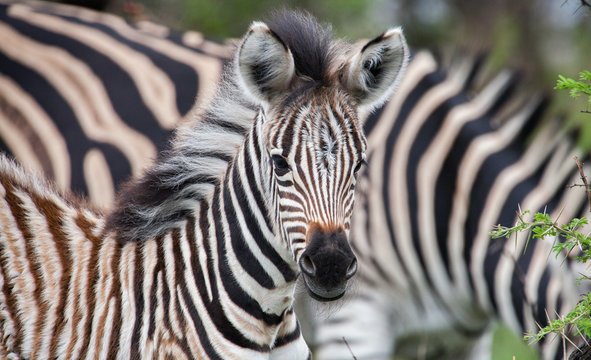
374,41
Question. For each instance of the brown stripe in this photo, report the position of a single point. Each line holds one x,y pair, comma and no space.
85,227
43,304
102,321
20,217
139,302
53,215
5,344
47,145
165,295
93,277
20,138
116,294
179,265
11,303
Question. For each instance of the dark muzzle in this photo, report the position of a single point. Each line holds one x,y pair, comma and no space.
327,263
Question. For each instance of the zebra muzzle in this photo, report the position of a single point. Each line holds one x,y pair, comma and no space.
327,263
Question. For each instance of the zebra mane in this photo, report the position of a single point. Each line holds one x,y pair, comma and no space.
186,173
200,153
308,41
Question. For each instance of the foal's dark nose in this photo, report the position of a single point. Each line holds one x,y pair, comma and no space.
328,262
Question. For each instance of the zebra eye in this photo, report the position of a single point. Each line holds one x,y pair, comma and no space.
280,163
358,166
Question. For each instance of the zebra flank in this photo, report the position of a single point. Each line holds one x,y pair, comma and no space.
200,256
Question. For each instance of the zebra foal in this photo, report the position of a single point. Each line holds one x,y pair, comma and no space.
200,257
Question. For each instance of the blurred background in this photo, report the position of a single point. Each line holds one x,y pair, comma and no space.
541,38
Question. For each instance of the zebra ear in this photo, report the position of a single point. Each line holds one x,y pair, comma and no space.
265,64
376,70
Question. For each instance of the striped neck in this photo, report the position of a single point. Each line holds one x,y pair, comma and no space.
251,271
245,198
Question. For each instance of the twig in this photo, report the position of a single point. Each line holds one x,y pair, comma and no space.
348,347
574,185
584,178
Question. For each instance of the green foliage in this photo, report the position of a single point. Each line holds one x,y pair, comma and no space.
541,227
576,88
580,318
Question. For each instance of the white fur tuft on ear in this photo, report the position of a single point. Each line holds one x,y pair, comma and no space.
375,71
265,64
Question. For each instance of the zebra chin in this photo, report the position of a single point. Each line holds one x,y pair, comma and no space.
327,264
324,294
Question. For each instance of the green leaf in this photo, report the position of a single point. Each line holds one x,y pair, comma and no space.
576,88
585,75
541,217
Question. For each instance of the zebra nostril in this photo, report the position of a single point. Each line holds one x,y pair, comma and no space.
307,266
352,269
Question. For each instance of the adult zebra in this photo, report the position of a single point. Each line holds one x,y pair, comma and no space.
199,258
444,167
88,99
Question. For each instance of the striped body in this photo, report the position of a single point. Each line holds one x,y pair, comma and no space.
200,255
69,291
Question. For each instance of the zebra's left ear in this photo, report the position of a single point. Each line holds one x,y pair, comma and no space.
375,71
265,64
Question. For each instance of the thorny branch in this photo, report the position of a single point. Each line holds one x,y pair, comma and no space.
584,179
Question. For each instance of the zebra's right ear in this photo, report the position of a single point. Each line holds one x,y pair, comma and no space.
265,64
375,71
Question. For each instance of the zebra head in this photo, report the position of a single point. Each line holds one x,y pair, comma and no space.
312,91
